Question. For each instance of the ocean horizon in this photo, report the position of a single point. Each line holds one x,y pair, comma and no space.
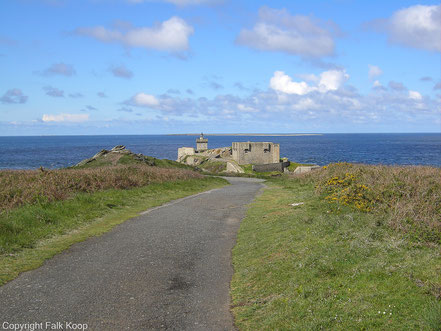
58,151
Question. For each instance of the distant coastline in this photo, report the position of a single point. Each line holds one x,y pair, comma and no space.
249,134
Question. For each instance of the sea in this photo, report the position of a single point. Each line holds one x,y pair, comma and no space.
31,152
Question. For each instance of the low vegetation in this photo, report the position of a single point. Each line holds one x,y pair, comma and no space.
129,158
360,249
19,187
214,166
408,199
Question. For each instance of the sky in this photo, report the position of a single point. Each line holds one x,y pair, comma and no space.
219,66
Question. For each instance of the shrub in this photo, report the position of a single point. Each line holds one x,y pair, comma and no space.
18,187
409,196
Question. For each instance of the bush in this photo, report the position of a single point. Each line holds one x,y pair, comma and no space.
18,187
409,196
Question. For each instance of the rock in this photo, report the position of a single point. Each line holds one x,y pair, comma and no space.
305,169
120,149
101,153
232,167
183,152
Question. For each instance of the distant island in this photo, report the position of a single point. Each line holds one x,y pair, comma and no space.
248,134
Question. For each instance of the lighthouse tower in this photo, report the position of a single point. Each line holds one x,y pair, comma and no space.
201,143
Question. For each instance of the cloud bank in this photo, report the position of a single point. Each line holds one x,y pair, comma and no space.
330,80
171,35
417,26
69,118
279,31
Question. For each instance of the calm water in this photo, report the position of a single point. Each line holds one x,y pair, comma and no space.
62,151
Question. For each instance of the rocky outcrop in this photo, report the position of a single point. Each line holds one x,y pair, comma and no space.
218,153
113,155
234,167
191,157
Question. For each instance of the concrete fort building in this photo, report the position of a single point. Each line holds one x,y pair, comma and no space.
255,152
264,156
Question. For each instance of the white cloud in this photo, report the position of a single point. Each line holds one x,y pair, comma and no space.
374,71
308,77
171,35
283,83
277,30
330,80
245,108
72,118
305,104
416,26
414,95
377,84
145,100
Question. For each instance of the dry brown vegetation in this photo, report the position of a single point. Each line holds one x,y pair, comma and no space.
18,187
409,197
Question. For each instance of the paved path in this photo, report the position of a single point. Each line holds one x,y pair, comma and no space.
169,268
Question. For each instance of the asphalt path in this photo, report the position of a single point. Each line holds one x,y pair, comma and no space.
169,268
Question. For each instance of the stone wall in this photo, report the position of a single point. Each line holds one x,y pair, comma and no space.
255,152
305,169
279,166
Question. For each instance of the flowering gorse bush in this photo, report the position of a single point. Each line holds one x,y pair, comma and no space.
408,196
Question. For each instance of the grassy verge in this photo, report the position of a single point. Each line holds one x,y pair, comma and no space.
32,233
316,266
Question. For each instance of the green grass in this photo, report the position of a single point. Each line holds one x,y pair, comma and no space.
315,267
32,233
130,159
214,166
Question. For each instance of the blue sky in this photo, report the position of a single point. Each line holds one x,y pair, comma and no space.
219,66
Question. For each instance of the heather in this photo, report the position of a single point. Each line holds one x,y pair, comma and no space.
19,187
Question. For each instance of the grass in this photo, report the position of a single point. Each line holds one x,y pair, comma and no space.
214,166
408,199
31,233
326,265
112,159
